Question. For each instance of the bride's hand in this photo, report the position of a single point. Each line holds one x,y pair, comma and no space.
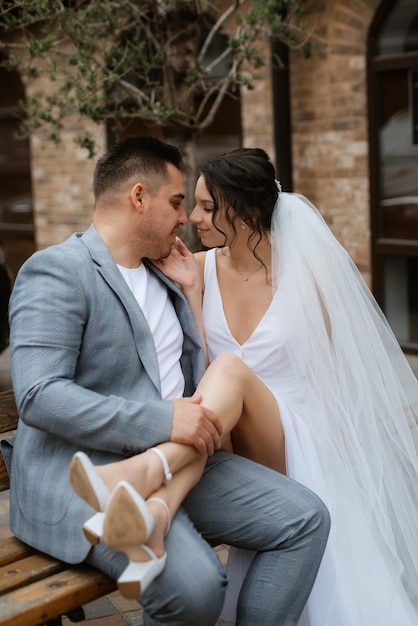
181,266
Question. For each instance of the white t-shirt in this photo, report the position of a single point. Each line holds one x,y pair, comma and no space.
153,298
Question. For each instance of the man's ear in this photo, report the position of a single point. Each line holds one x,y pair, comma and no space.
137,193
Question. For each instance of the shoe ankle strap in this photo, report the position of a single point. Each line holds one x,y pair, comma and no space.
167,473
167,510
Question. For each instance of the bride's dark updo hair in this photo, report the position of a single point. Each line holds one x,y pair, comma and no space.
243,184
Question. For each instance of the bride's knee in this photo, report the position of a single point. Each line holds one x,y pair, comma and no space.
229,364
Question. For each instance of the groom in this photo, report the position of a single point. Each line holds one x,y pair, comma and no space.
86,376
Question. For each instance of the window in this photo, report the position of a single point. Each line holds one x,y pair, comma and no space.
393,73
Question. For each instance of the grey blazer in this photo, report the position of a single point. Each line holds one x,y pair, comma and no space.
85,376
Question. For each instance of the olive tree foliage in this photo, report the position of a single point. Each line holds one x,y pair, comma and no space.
167,62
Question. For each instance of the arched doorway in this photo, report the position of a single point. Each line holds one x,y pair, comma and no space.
393,115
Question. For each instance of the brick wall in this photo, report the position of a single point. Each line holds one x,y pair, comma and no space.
329,122
257,111
61,178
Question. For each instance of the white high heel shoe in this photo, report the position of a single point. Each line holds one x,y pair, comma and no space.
127,525
87,484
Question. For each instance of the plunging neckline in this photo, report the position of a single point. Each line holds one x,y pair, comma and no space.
260,321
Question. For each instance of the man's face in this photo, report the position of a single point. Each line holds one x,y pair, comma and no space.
163,215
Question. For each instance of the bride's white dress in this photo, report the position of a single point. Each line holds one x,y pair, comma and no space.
359,581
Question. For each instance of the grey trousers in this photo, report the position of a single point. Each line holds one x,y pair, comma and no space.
239,503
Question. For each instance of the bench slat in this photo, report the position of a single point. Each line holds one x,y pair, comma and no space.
47,599
13,549
27,571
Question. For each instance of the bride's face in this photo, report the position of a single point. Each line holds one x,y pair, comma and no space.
202,215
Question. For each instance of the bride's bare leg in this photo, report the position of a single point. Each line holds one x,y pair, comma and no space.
173,495
247,409
145,471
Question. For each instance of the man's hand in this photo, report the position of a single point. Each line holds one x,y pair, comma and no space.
195,425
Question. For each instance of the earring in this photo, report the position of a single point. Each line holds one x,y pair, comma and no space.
243,226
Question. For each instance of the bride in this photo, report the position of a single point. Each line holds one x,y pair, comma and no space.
279,291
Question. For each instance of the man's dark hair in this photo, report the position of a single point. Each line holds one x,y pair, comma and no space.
138,154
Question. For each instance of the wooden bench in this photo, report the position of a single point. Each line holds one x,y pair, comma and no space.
36,589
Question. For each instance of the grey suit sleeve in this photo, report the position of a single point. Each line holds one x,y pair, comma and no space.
76,366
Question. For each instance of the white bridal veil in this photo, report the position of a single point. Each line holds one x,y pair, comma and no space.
363,394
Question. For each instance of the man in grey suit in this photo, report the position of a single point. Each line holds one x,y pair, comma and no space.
87,376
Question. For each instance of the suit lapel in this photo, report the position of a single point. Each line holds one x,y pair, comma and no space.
107,267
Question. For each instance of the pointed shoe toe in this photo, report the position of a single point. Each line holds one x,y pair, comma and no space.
87,483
